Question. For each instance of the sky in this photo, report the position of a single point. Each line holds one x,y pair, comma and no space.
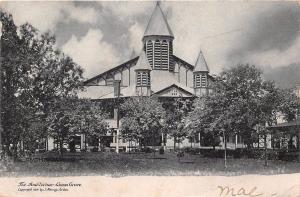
101,35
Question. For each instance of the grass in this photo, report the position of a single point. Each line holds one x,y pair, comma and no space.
123,164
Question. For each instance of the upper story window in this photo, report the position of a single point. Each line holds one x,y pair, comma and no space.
160,54
174,92
200,80
149,52
143,78
203,80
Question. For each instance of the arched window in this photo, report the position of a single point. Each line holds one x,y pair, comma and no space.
138,79
200,80
171,61
197,80
203,80
157,55
164,55
149,52
143,78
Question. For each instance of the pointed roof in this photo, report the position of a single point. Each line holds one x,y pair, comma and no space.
142,62
201,64
158,24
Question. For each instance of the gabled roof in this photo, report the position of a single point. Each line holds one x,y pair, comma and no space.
177,59
201,64
158,24
179,86
142,63
110,70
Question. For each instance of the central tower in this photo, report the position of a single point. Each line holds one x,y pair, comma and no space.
158,41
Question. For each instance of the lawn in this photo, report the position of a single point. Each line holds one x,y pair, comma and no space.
124,164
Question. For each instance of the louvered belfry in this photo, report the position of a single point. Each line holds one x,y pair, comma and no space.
143,78
200,73
158,41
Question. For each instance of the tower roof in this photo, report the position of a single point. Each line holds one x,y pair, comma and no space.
201,64
143,63
158,24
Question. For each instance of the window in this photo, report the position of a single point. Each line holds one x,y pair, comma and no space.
196,80
171,61
203,80
157,55
138,79
174,92
164,55
200,80
149,52
143,78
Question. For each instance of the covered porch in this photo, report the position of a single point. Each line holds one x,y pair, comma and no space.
286,135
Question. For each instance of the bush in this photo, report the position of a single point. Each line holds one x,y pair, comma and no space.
284,155
94,149
180,154
237,153
147,150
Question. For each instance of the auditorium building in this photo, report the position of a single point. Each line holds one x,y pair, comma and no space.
154,71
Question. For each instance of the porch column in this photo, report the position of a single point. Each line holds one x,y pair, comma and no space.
199,137
82,140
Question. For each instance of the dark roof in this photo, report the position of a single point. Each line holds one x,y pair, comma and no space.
110,70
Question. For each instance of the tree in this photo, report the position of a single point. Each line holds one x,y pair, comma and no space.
143,119
34,75
175,122
89,119
76,116
240,101
13,99
199,120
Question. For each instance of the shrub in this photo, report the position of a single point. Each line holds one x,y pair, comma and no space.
284,155
147,150
94,149
180,154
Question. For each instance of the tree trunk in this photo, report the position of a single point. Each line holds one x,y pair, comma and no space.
174,143
85,145
225,150
61,147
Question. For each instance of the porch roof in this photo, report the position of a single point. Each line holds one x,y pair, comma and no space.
291,124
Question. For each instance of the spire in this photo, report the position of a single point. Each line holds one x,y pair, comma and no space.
158,24
143,63
201,64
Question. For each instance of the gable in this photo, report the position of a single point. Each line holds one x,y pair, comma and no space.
174,91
